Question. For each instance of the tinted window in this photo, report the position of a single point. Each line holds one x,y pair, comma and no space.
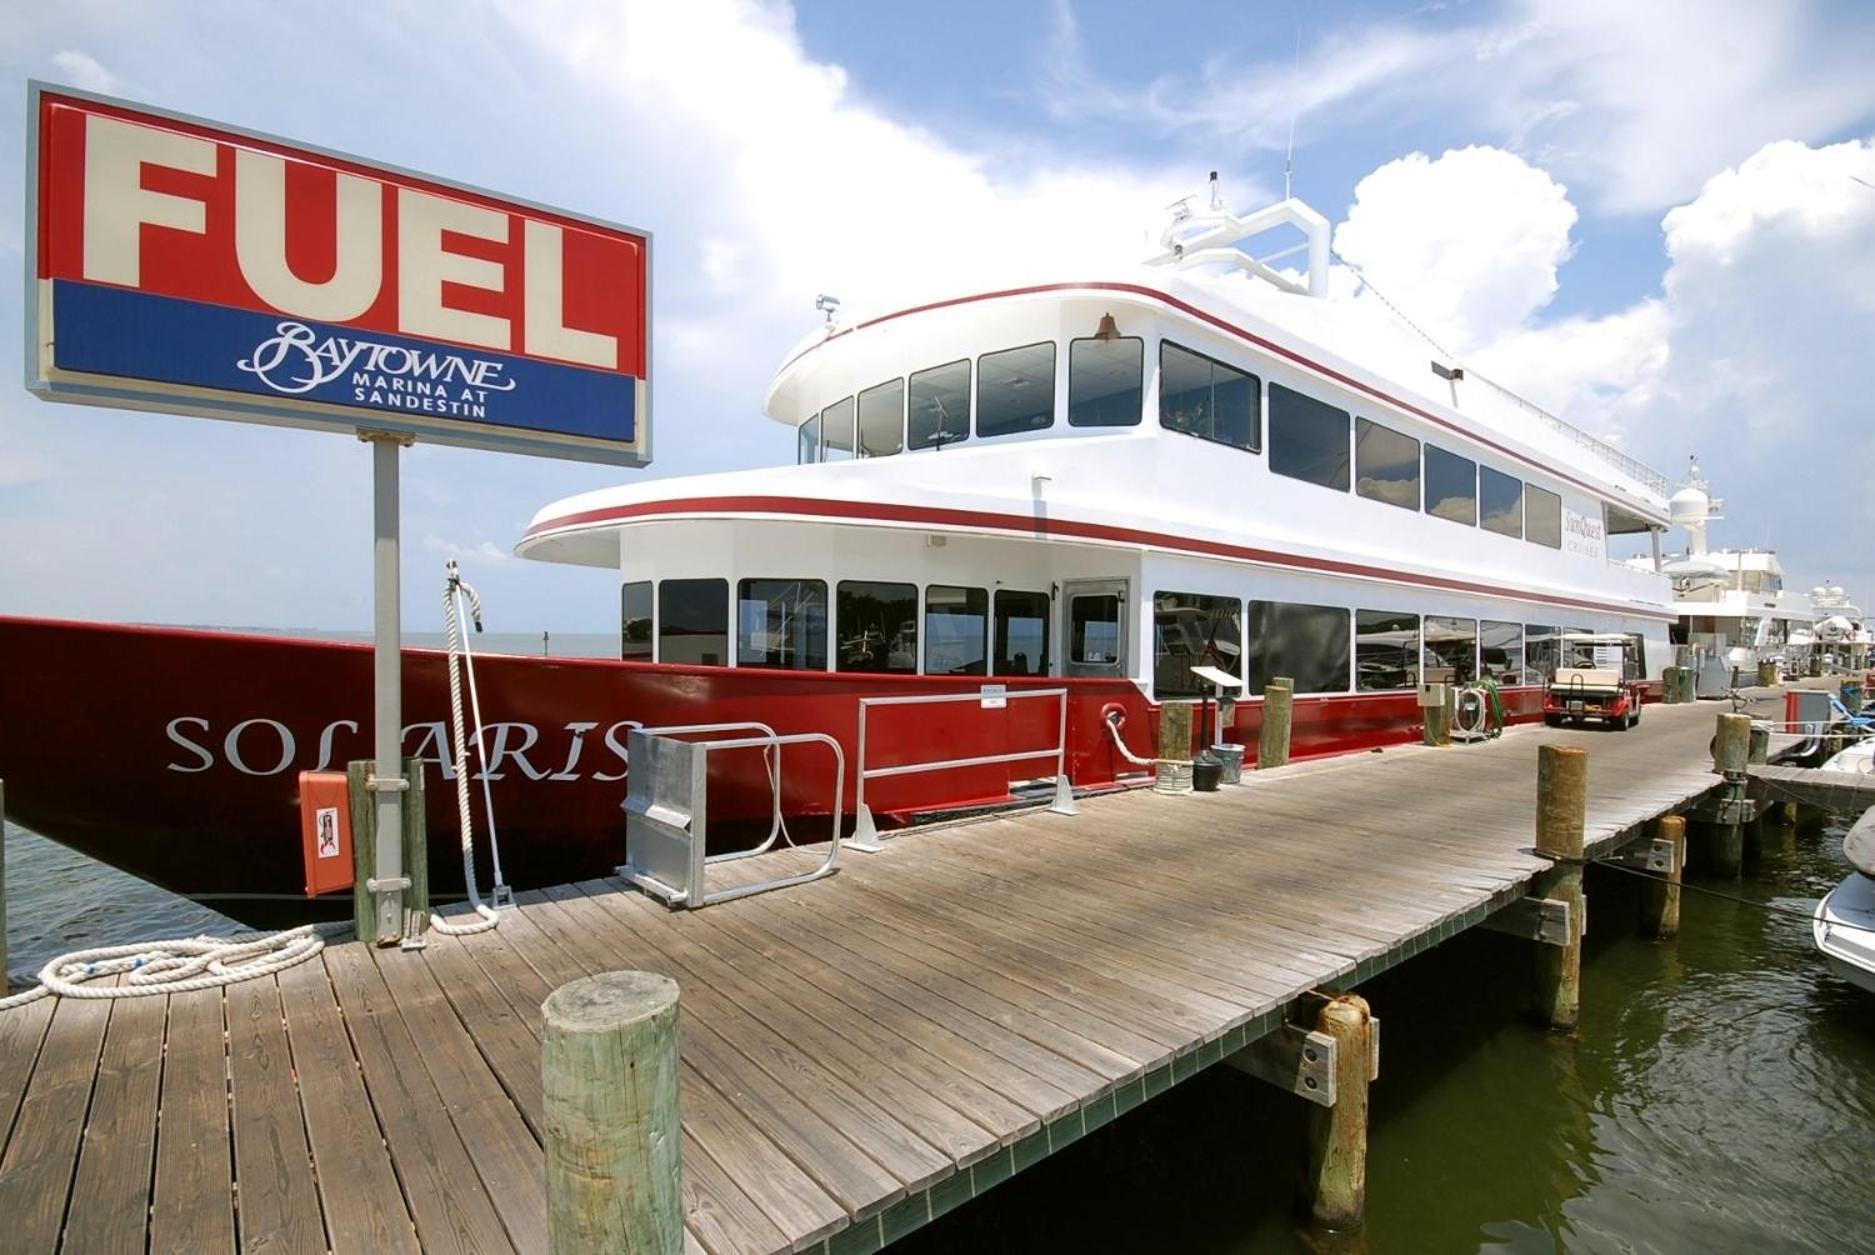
1451,486
956,630
1386,465
1016,390
1386,650
1542,516
1500,502
836,431
1541,650
1636,667
1021,633
1105,382
807,446
1094,629
782,623
1203,397
1451,649
938,406
693,622
878,626
1500,650
1308,440
635,621
882,419
1309,644
1192,630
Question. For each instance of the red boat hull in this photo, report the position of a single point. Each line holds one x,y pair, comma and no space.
175,754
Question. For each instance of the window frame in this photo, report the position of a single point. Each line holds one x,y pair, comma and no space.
650,619
1483,471
1139,412
976,403
826,624
1419,470
1412,653
661,628
859,420
1427,449
1346,479
982,666
969,415
1193,687
1215,363
997,637
1522,668
1258,673
1530,493
839,627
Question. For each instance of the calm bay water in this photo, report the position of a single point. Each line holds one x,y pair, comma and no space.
1719,1096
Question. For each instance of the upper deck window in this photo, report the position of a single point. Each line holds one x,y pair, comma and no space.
1016,390
807,448
1308,439
1451,486
693,622
1542,516
782,623
1386,465
1201,396
938,407
956,630
1106,382
1500,502
836,431
882,419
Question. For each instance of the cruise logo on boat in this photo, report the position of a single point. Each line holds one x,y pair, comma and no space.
191,267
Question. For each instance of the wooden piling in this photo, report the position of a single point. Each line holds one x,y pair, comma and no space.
1660,904
1731,750
1335,1185
1562,780
365,852
1172,773
608,1064
1278,712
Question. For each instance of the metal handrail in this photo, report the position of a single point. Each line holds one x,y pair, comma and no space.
698,894
775,826
865,836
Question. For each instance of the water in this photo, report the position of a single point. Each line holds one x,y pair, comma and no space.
1719,1096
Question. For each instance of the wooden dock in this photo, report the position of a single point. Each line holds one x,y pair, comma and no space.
859,1055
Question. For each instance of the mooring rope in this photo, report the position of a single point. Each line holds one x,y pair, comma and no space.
1114,719
171,967
454,591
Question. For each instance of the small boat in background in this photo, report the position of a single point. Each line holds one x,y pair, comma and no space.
1844,924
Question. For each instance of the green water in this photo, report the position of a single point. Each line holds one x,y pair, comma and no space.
1719,1096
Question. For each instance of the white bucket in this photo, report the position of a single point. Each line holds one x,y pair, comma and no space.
1171,777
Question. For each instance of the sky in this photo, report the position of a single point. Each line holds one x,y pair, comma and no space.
1657,220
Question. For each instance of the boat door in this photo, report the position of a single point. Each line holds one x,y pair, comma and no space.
1094,614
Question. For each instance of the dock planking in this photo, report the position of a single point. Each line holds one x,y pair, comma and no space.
859,1054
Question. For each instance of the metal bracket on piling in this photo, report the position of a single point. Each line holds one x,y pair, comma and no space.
1535,919
374,885
1294,1059
1654,855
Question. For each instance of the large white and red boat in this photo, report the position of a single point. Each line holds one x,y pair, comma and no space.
1094,483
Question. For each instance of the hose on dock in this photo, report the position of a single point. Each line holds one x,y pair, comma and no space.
171,967
455,592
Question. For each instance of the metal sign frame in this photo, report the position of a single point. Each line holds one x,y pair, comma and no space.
204,402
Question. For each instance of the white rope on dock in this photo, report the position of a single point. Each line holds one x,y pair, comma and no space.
170,967
1115,719
459,659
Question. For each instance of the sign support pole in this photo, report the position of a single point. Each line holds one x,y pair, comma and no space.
387,886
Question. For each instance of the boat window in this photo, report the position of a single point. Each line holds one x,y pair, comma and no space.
938,408
1451,649
1094,629
1201,396
1021,633
693,622
782,623
1635,668
1193,630
1500,502
1500,650
807,448
1308,439
1451,486
1386,650
1016,390
1386,465
1542,516
878,626
1542,648
956,630
1309,644
1106,382
836,431
634,612
882,419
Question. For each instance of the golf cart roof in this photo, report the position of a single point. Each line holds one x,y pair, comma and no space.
1597,638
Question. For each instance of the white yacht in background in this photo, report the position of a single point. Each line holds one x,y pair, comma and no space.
1842,634
1734,609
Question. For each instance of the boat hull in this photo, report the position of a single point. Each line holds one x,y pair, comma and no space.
175,754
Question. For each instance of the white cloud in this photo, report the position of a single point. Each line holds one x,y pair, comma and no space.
1468,244
82,71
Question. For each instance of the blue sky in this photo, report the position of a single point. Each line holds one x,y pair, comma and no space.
1643,215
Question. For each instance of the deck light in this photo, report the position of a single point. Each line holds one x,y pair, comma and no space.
1108,329
1453,373
828,305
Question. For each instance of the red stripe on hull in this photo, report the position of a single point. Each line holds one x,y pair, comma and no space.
174,754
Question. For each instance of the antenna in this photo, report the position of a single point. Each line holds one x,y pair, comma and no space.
1295,80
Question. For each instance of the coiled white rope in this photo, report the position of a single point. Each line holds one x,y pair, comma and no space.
170,967
453,593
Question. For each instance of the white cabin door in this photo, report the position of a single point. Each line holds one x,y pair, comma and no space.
1094,616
